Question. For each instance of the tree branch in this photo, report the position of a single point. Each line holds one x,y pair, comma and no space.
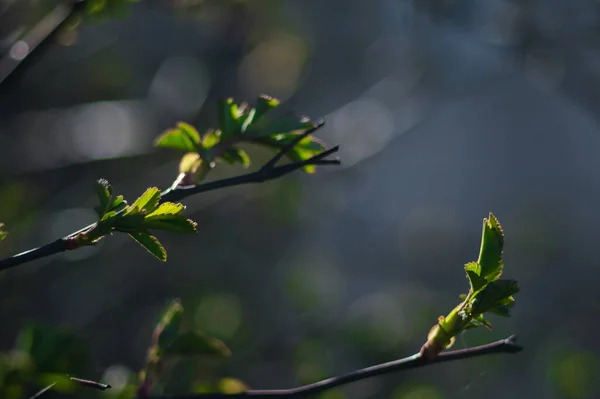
507,345
269,171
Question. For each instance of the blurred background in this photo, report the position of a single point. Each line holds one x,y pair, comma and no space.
445,110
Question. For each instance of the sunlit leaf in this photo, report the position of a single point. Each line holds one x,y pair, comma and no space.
264,104
167,208
190,163
228,116
118,204
151,244
3,233
266,128
236,155
248,120
211,138
174,223
473,270
148,201
496,294
104,192
184,137
196,343
128,223
490,254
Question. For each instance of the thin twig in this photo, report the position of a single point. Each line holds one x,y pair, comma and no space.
42,391
268,172
90,384
507,345
86,383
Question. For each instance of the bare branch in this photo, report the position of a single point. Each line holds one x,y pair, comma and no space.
507,345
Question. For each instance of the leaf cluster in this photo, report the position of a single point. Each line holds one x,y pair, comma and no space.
145,214
488,293
239,123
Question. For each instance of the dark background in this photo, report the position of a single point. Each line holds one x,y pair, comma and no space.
445,111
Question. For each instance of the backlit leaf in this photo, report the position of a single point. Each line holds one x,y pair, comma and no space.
151,244
184,137
266,128
3,233
167,208
169,325
495,295
174,223
490,254
147,201
196,343
236,155
264,104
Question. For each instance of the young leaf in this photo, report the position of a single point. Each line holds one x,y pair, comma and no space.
228,115
104,191
147,201
248,120
3,233
283,125
190,163
167,329
479,321
263,105
174,223
118,204
473,270
150,243
196,343
211,138
495,295
233,155
167,208
184,137
128,223
490,253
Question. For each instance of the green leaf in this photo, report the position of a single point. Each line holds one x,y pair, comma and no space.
3,233
233,155
118,204
264,104
148,201
196,343
167,208
175,223
490,253
248,120
184,137
479,321
228,115
129,223
104,192
283,125
150,243
167,329
495,295
211,139
473,270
